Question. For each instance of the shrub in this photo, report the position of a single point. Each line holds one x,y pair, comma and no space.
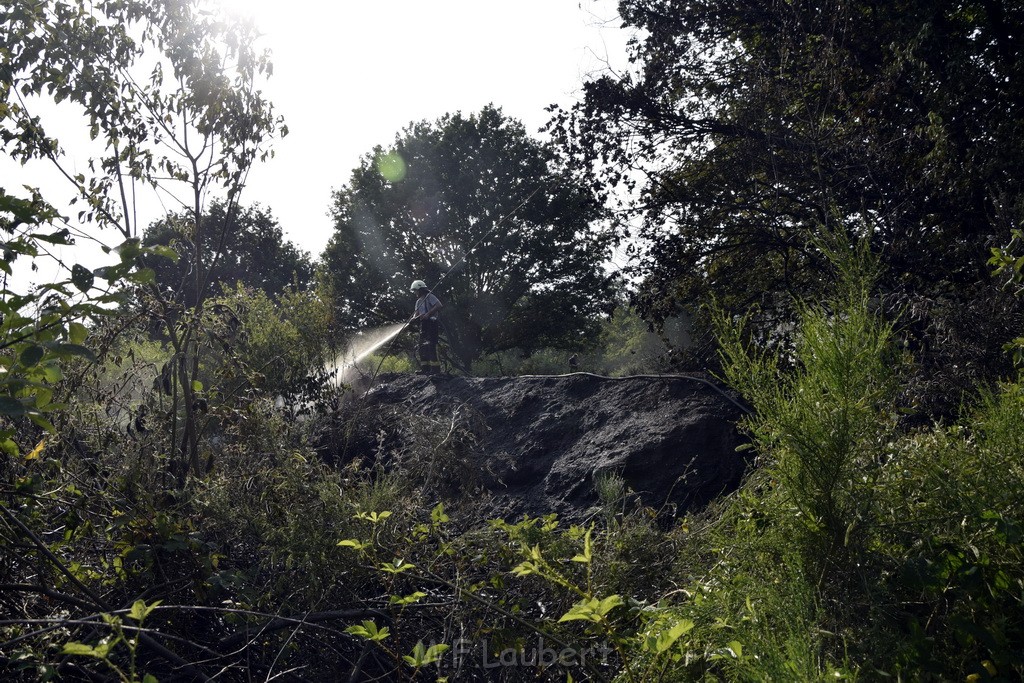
824,427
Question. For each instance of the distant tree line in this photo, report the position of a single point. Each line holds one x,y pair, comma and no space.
480,210
471,204
246,245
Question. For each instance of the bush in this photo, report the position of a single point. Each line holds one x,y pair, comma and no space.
823,428
283,342
881,551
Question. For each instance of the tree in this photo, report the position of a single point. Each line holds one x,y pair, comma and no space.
169,93
750,126
477,209
248,247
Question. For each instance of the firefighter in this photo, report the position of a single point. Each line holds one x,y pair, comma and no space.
427,307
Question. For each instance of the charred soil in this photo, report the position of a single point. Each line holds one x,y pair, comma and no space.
538,444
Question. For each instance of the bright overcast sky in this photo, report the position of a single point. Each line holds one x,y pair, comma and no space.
351,75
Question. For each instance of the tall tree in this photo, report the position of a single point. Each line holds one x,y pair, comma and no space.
479,210
167,93
170,98
749,126
247,245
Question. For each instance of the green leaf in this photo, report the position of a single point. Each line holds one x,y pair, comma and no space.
397,567
165,251
62,236
77,332
104,647
42,397
31,355
143,276
438,516
129,249
593,609
353,543
526,568
434,652
373,517
408,599
11,407
669,636
82,278
610,603
369,631
68,350
75,648
140,610
51,373
41,422
587,554
422,655
197,386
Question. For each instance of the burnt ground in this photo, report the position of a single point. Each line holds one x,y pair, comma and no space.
534,445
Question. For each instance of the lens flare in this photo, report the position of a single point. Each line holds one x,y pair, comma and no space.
391,166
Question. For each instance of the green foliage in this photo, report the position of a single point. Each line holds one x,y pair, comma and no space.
624,346
158,83
283,341
955,540
369,630
392,363
169,92
551,566
1007,263
43,330
244,245
485,204
160,516
923,584
506,363
103,649
629,347
422,655
274,516
892,569
743,128
827,423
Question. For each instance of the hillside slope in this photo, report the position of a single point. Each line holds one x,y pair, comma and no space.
538,444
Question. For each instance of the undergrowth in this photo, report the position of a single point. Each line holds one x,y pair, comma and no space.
856,549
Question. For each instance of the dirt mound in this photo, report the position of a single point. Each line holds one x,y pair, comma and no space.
538,444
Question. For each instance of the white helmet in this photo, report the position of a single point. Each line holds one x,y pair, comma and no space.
417,286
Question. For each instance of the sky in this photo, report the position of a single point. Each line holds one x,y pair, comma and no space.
349,76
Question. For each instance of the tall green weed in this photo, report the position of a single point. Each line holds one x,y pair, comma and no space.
822,427
873,550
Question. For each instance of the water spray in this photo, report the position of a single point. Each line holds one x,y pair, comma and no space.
362,345
365,343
